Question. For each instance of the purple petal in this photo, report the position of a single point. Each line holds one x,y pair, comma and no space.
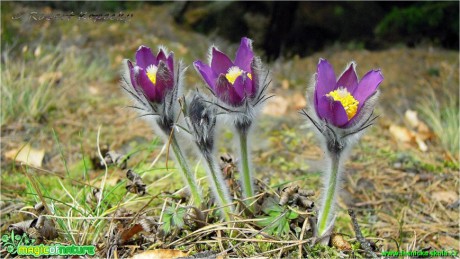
239,86
332,111
206,72
164,81
340,116
226,92
131,74
367,86
323,108
244,55
220,63
250,88
349,79
244,86
144,57
325,79
147,86
161,56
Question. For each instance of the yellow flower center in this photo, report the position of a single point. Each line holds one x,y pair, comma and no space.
152,73
349,103
234,72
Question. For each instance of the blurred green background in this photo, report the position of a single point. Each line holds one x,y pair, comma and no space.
301,28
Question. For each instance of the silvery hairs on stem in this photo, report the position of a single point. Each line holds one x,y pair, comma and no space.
201,118
162,109
242,116
336,143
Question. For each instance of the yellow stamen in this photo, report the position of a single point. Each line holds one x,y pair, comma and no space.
349,103
234,72
152,73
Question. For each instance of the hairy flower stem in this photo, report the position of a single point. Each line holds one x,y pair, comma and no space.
188,175
326,213
219,187
245,170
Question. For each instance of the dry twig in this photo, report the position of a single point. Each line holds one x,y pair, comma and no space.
364,243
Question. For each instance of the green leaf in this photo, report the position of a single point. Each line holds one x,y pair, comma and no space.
266,221
5,238
292,215
178,217
173,217
277,222
167,219
271,207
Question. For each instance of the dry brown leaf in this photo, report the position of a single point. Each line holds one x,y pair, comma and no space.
298,101
27,154
401,133
160,254
276,106
445,196
423,129
421,144
408,136
411,118
130,232
340,243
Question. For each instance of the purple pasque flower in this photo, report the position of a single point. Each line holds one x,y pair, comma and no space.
231,81
341,101
154,86
152,75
